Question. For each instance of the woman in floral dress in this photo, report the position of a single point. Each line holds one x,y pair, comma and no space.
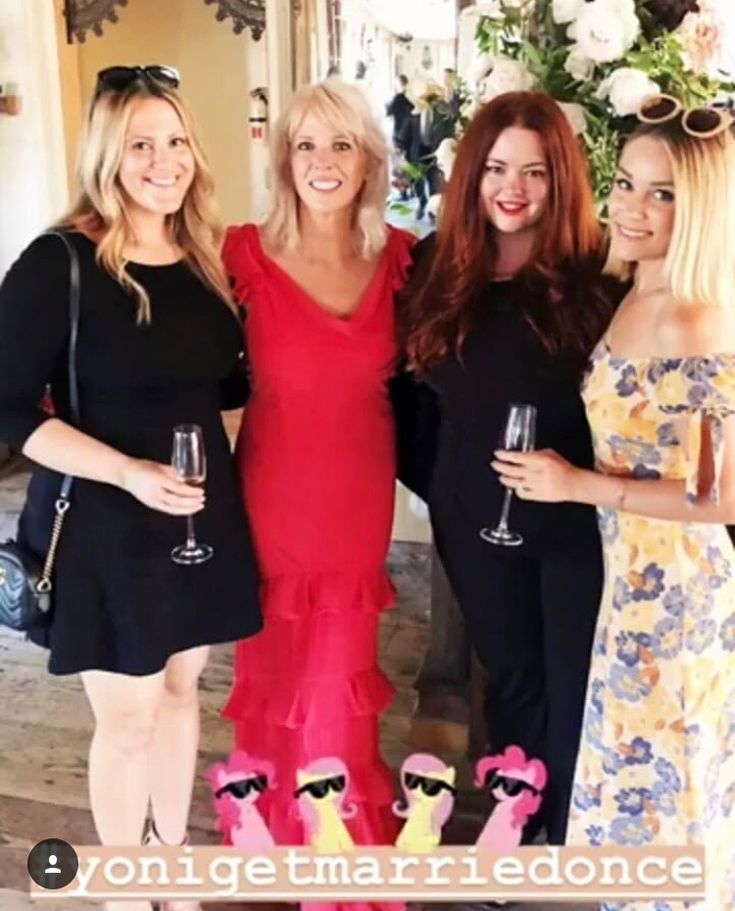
657,760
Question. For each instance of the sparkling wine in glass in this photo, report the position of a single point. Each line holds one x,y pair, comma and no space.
190,463
518,435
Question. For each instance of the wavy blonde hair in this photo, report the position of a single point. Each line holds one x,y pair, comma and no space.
344,108
101,208
699,263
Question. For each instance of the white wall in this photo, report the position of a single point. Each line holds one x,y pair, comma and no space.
32,155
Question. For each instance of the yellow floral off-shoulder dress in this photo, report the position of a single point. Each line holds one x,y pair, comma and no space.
657,757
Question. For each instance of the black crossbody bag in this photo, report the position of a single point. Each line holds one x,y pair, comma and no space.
26,582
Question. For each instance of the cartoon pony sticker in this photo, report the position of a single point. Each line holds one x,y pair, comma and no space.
320,791
429,793
516,783
237,783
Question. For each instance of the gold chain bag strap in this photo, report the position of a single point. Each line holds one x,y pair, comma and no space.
26,583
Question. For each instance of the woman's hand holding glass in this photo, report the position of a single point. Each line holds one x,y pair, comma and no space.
542,475
160,487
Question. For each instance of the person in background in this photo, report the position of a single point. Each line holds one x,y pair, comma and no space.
316,455
158,334
505,304
399,109
657,760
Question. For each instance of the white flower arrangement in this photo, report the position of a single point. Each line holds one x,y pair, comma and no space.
599,59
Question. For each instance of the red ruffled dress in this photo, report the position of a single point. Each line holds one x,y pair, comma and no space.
316,456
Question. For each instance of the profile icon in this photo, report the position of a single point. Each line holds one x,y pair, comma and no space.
52,863
52,868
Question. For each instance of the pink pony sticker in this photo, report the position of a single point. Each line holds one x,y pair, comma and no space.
516,783
237,783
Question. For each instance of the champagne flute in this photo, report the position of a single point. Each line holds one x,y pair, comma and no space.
190,462
518,435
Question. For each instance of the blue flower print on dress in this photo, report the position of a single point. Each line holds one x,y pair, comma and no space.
666,434
621,593
670,584
699,596
667,638
628,683
668,774
628,382
637,752
630,830
701,636
693,743
727,633
586,797
675,601
629,646
607,520
646,585
596,836
643,472
612,761
660,366
633,801
718,567
663,799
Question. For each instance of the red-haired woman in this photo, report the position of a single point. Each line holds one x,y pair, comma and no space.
505,304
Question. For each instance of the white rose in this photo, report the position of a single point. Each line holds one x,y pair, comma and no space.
576,116
605,29
626,89
506,76
492,8
577,65
565,11
446,152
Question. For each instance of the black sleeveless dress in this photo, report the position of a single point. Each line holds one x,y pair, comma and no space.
120,603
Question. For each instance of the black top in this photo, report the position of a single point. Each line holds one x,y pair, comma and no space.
120,603
463,407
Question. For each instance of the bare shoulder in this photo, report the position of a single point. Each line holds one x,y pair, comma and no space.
690,330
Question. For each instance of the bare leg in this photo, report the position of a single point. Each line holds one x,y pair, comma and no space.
177,735
125,710
175,745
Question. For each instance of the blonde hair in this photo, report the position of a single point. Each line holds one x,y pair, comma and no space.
344,108
699,264
100,209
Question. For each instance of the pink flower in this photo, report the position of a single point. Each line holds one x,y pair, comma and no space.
701,36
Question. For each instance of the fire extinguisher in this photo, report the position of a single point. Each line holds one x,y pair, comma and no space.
258,116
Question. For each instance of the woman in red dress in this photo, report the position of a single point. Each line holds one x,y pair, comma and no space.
316,455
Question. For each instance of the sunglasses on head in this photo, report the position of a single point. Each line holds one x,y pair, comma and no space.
511,786
120,78
429,786
321,788
243,787
702,123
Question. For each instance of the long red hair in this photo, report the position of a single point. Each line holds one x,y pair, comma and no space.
566,306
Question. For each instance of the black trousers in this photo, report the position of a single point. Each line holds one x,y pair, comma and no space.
531,621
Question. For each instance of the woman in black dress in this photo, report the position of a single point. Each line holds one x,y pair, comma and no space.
504,306
158,338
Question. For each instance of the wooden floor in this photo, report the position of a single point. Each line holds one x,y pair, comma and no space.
46,726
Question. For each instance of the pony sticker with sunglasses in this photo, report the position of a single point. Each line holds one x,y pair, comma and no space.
429,792
237,784
516,784
320,792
